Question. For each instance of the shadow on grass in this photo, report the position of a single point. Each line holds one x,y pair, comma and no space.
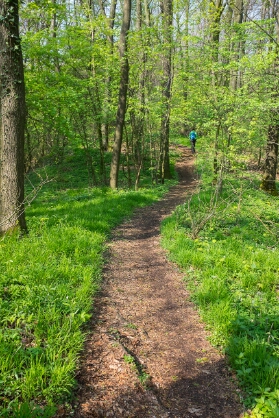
47,281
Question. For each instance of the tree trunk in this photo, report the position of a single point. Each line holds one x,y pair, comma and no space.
138,118
216,9
167,13
271,160
269,176
12,120
108,95
185,61
237,47
122,98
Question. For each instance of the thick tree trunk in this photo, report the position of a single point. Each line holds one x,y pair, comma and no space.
269,176
122,99
12,120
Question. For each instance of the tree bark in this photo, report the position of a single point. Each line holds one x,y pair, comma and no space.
138,119
237,47
167,13
269,176
108,95
122,98
271,160
12,120
216,9
184,62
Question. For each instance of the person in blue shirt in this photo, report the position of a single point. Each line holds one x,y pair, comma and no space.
193,138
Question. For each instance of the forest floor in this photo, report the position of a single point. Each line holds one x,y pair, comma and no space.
148,354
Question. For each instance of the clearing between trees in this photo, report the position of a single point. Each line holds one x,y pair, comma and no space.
148,353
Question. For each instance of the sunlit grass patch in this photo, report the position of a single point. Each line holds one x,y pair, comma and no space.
48,281
231,269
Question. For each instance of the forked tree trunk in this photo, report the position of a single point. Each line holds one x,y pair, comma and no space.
12,120
122,98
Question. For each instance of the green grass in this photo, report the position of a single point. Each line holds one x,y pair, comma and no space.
48,281
231,267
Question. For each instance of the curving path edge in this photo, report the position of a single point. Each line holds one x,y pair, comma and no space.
148,353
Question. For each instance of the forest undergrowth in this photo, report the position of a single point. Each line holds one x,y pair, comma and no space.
48,281
225,238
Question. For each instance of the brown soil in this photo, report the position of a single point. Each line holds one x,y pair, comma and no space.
145,324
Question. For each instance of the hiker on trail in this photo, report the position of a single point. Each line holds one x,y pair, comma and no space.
193,138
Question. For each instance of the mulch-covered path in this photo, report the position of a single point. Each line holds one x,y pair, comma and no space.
148,353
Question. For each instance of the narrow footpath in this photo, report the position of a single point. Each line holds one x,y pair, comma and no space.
148,354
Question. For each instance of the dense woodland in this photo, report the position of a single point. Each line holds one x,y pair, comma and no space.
110,86
102,75
119,76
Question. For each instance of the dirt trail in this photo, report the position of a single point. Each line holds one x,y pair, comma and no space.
144,324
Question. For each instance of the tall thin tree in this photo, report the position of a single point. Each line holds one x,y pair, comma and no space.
122,98
167,16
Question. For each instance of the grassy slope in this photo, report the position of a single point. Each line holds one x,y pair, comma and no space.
231,268
47,282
